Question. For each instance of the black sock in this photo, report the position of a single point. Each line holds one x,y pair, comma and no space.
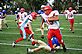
6,25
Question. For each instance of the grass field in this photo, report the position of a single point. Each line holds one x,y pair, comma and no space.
72,41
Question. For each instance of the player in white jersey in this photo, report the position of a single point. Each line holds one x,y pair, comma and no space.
44,18
65,14
20,18
70,16
27,21
2,18
43,45
53,27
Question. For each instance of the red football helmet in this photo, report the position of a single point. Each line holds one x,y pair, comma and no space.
47,8
22,10
34,15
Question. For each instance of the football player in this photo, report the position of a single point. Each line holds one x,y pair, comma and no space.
4,17
1,18
53,27
43,45
20,18
70,13
41,12
27,21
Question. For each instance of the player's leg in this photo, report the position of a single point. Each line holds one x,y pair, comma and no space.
42,30
0,24
47,48
4,20
21,38
72,25
21,33
30,35
33,50
50,34
66,16
29,32
59,37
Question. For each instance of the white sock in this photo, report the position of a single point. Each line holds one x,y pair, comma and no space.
30,50
32,39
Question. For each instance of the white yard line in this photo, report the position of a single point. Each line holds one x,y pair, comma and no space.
80,23
79,49
15,44
8,33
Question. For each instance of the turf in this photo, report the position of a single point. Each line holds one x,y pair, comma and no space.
8,35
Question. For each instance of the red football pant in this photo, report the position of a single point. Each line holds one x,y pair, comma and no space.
71,24
53,32
27,32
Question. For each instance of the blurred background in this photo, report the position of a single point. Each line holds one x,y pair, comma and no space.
11,6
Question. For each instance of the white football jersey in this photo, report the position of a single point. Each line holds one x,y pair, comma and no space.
55,24
70,14
22,16
28,19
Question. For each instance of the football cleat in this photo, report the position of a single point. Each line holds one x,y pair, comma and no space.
13,44
33,43
64,48
29,50
72,31
1,30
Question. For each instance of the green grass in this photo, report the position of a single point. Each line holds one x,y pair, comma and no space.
12,33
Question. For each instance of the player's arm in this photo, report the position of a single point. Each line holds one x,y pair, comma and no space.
75,11
53,18
65,12
17,18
